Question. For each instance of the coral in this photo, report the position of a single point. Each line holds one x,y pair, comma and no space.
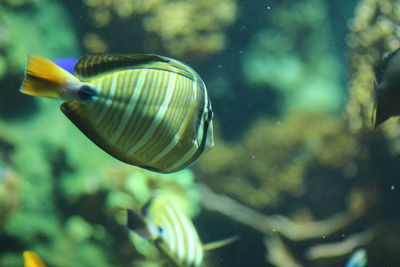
194,28
273,158
298,61
20,37
374,32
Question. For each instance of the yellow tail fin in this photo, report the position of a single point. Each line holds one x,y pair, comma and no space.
31,259
44,78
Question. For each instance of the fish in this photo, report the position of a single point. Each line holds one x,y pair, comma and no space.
146,110
169,229
387,89
358,258
31,259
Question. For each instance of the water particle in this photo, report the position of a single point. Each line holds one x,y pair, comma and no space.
392,187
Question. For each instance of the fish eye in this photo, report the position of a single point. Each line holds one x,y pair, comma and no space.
160,230
86,92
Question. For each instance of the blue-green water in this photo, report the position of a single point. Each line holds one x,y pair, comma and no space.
297,170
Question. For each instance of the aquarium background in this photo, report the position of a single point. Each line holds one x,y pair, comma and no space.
297,171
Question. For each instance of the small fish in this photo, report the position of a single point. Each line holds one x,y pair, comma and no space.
358,259
387,90
31,259
171,231
146,110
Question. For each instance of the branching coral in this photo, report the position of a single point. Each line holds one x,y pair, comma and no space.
273,158
191,28
374,33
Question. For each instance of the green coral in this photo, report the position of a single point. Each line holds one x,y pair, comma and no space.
294,56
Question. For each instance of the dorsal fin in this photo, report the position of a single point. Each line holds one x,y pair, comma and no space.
92,65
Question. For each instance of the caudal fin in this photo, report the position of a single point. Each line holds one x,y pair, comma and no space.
44,78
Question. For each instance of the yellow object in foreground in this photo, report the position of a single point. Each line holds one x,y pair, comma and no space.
146,110
31,259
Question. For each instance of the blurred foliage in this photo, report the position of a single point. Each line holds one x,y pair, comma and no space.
294,56
181,28
19,36
274,157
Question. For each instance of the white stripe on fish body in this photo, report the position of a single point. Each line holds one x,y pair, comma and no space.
122,99
179,128
193,149
176,109
170,160
150,111
138,87
136,128
173,130
107,101
188,233
135,84
169,237
148,114
159,117
97,106
181,239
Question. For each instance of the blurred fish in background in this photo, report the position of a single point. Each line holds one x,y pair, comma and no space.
171,231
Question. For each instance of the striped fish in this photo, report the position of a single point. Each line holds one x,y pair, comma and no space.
171,231
146,110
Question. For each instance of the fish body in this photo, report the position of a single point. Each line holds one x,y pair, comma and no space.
387,91
31,259
358,259
146,110
171,231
